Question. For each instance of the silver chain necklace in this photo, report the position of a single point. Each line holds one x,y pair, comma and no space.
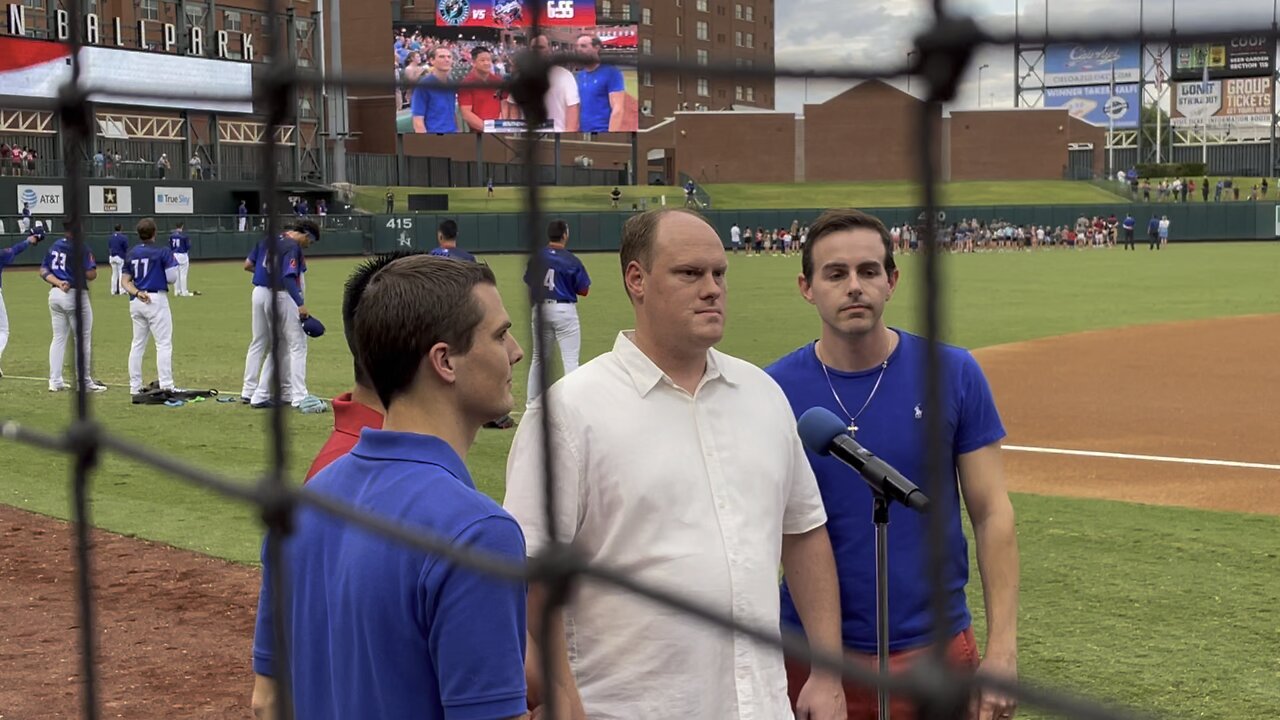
853,419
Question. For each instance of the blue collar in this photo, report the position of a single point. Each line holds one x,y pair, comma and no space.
411,447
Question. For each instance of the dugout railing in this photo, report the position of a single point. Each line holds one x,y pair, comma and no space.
942,52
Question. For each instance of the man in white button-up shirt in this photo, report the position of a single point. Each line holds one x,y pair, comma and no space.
655,478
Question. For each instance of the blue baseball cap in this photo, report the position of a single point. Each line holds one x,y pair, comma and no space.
312,327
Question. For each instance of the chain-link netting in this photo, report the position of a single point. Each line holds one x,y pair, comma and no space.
939,60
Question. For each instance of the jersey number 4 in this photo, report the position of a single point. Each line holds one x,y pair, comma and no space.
549,282
140,267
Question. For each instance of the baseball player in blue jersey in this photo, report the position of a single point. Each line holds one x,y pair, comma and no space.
290,308
7,256
149,270
563,280
180,246
56,270
117,248
447,239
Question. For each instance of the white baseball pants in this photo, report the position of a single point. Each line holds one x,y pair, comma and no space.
62,310
184,267
151,320
4,325
258,367
561,325
117,265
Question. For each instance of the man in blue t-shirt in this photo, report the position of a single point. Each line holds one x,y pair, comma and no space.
558,284
870,375
180,246
447,243
7,256
435,108
58,270
117,246
377,629
149,270
601,89
1128,226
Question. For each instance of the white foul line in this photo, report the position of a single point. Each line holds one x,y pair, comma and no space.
1152,458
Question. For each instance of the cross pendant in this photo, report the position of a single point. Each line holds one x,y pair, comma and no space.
853,429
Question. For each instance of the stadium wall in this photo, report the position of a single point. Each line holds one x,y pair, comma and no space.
206,197
866,133
214,236
1023,144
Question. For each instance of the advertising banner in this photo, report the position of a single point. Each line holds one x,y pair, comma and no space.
1096,105
175,201
1219,103
40,199
1071,64
38,68
1246,56
110,199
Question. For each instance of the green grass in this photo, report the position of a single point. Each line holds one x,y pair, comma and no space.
756,196
1169,610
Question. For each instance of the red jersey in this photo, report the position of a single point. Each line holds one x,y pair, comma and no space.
486,103
349,417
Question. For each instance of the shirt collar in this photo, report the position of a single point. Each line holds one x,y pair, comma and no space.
646,375
377,444
350,417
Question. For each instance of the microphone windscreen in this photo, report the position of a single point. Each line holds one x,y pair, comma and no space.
817,427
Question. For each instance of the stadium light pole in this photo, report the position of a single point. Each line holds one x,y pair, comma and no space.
981,67
910,54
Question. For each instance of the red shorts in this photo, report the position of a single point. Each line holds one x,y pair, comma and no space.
962,653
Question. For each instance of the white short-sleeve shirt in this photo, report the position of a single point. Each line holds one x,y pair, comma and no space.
666,487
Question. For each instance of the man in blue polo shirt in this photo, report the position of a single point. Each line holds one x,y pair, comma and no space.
601,88
870,375
435,108
376,629
562,281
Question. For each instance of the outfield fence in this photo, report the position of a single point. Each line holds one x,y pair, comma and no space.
942,53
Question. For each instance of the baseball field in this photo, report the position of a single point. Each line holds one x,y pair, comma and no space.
1140,390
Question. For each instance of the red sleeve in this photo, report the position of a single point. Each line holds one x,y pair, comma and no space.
466,97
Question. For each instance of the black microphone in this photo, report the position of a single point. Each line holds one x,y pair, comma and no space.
824,433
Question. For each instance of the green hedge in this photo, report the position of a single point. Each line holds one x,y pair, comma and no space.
1167,170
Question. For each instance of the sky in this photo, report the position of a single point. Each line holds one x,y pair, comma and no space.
876,33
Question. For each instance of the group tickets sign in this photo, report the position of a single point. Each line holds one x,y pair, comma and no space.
1218,103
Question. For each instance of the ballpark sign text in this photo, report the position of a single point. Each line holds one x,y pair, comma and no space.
1219,103
42,199
175,200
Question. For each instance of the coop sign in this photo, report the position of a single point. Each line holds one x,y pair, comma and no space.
95,32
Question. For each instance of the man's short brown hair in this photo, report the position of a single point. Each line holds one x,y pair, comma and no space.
639,233
146,229
839,219
409,306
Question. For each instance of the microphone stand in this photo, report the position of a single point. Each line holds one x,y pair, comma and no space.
880,517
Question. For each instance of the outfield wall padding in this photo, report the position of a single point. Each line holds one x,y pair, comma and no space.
214,237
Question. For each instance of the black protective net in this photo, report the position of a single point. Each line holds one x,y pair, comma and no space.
942,54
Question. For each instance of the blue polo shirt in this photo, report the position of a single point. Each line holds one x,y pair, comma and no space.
893,427
437,105
594,87
378,630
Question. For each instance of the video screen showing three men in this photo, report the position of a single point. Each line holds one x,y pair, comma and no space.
478,42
